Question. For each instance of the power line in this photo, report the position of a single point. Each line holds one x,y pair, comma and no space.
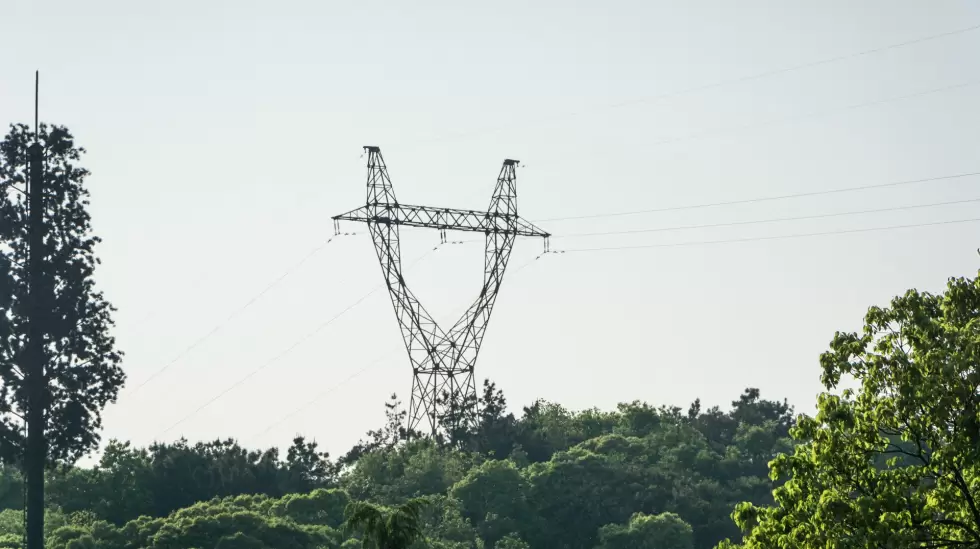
272,361
718,84
767,123
772,220
357,373
754,125
766,198
154,312
777,237
230,317
288,350
526,264
813,114
322,395
809,65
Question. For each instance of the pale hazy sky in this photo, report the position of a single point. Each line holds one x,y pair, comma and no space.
223,135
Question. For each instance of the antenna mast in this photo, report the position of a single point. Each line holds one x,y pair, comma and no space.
37,86
34,365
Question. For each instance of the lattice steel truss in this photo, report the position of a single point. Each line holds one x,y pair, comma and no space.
442,361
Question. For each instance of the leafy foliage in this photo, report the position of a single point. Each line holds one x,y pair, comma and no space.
586,470
82,372
589,479
128,483
663,531
893,462
381,528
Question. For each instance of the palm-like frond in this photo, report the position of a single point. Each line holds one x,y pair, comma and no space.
405,523
398,530
367,518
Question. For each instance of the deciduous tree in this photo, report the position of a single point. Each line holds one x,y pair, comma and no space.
663,531
894,462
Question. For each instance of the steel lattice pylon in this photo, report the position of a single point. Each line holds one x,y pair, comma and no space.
442,361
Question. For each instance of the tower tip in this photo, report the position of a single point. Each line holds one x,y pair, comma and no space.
372,148
510,162
37,86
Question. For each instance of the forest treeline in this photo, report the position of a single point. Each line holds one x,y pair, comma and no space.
549,477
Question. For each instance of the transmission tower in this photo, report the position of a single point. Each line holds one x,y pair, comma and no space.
442,361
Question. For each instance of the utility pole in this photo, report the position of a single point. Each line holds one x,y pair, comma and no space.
36,450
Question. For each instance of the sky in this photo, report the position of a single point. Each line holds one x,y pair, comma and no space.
222,137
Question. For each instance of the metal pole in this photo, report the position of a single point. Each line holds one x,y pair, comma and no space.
34,370
36,451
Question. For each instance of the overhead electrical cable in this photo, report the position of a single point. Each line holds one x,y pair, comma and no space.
514,273
812,114
776,237
286,351
766,198
251,301
324,394
717,84
357,373
771,220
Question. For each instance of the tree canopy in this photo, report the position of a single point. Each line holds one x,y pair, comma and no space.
587,479
380,528
891,457
82,365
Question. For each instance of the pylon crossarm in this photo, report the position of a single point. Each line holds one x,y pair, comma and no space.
441,218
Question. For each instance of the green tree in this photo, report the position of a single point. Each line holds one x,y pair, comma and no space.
226,523
156,481
479,424
11,487
580,490
663,531
322,506
383,528
547,428
457,420
895,461
494,498
12,526
307,468
182,474
445,527
394,475
496,431
511,541
117,489
387,437
82,372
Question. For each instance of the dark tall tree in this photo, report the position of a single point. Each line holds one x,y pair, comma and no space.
457,422
393,433
54,324
497,428
478,424
82,372
308,468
